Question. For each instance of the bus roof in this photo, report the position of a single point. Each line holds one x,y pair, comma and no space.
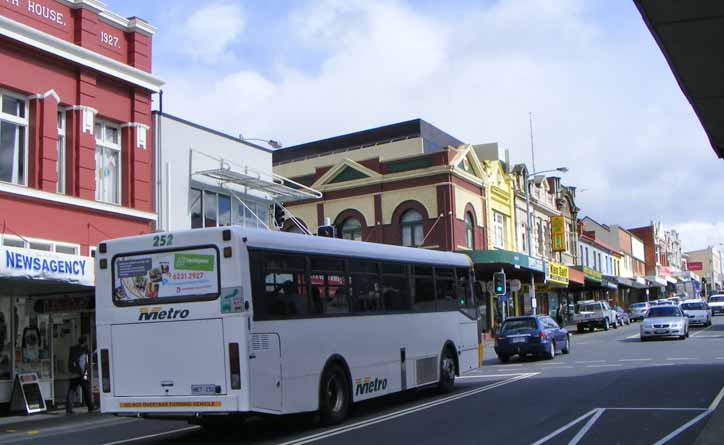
295,242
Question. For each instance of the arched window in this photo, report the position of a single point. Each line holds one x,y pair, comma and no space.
352,229
469,237
411,228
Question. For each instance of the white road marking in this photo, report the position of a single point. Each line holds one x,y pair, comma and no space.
710,336
586,427
712,407
635,360
655,409
634,336
681,358
149,436
611,365
699,332
478,376
565,427
719,358
404,412
589,361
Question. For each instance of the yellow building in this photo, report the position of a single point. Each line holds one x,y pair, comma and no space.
500,205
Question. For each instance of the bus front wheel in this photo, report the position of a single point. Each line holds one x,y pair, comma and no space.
447,371
334,397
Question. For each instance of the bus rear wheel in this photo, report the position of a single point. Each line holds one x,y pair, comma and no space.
334,397
447,371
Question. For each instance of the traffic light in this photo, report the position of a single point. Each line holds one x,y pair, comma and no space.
499,283
278,215
327,231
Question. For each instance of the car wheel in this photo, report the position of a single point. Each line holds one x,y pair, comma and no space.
447,371
580,328
567,347
687,332
504,358
643,339
334,401
592,328
606,325
551,354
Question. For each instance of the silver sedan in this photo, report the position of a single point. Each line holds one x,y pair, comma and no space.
665,321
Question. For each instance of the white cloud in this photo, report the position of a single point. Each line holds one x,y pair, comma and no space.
207,33
604,101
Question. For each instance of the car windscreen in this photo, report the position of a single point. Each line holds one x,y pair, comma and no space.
717,299
638,305
664,311
518,325
592,307
693,306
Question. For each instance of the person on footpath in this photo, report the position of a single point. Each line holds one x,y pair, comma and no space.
78,364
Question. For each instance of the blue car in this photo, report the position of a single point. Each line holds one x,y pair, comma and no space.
536,335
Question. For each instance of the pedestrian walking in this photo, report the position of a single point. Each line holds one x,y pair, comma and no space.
78,366
559,314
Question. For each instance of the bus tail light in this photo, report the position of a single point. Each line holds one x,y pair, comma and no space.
105,371
235,367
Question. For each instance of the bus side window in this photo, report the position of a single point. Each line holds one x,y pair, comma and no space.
396,287
279,285
447,296
365,286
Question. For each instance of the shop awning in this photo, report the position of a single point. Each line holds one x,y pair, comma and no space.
590,275
576,277
623,281
34,272
655,281
514,264
609,281
671,280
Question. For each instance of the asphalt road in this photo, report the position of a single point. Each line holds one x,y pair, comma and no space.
612,389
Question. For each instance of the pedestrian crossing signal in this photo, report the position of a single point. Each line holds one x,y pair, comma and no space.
499,283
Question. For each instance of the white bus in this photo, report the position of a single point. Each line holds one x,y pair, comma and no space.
226,320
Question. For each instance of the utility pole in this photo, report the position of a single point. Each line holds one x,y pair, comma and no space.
532,151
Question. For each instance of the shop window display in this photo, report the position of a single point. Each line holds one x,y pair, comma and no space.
32,345
6,371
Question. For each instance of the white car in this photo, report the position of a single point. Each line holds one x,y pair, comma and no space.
665,321
637,311
697,311
716,304
593,314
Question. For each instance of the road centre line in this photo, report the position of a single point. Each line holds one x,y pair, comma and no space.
479,376
635,360
699,332
654,409
610,365
404,412
633,336
581,362
681,358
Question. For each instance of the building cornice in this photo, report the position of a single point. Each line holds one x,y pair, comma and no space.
77,54
132,24
73,201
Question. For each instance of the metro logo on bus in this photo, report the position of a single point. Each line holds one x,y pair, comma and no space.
155,313
366,386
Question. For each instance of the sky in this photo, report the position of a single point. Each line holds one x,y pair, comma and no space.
604,102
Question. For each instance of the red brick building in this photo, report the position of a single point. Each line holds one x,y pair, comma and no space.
76,167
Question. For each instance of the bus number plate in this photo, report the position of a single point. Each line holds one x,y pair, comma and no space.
203,390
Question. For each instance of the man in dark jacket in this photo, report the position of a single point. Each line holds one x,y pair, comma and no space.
78,366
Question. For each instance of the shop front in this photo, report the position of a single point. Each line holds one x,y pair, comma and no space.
522,273
553,294
46,304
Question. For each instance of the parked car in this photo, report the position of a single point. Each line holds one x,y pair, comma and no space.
535,335
637,311
665,321
716,304
592,314
621,316
675,300
697,311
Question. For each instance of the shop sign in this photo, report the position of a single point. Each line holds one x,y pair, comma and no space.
558,273
35,264
558,233
696,265
592,274
535,264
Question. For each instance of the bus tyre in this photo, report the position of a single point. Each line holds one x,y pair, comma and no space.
447,371
334,395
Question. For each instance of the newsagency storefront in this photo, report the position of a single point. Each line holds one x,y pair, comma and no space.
46,304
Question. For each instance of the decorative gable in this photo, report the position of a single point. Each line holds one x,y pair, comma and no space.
344,171
348,174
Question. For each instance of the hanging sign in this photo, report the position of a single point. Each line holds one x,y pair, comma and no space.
558,233
27,396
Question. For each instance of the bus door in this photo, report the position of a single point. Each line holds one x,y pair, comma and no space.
468,325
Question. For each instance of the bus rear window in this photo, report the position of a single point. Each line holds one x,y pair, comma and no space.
166,276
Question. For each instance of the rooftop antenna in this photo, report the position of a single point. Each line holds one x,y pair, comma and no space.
532,151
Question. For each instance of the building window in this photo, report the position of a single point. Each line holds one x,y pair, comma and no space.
352,229
41,245
600,265
195,206
498,230
108,162
13,134
541,239
60,153
587,258
211,209
469,233
411,228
